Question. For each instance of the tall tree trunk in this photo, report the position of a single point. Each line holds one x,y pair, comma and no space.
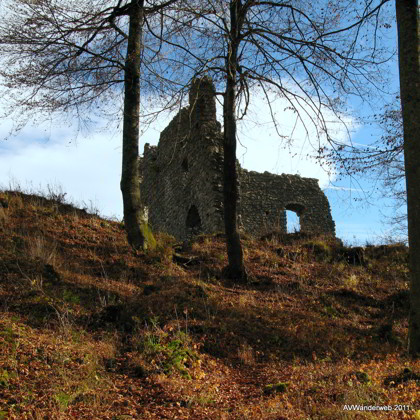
409,65
235,269
138,234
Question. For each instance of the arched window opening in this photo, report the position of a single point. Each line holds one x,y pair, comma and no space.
293,221
193,222
293,214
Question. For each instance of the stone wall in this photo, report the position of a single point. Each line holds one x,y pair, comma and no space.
264,199
182,185
182,176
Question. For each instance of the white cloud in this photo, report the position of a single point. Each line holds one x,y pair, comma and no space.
88,169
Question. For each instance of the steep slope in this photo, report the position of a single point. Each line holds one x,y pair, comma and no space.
91,329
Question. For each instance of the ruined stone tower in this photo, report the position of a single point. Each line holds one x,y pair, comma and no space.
182,186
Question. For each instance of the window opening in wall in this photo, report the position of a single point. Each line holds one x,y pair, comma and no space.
193,222
293,214
293,221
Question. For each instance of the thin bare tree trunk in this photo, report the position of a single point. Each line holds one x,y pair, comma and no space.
235,269
136,227
409,65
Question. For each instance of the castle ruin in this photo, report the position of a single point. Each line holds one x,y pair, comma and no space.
182,186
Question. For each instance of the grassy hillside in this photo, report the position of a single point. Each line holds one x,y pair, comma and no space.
90,329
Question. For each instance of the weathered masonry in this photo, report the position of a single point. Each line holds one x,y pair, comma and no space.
181,181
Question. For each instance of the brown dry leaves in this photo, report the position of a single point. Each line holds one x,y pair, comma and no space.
108,333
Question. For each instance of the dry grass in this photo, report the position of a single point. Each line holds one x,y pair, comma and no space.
90,329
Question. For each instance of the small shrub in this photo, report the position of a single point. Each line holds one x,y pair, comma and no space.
351,281
70,297
4,379
179,356
167,355
275,388
362,377
62,400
